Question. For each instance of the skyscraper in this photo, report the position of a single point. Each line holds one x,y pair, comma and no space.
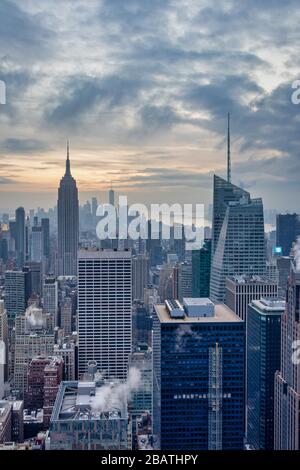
50,298
198,376
68,222
14,294
36,244
104,310
263,359
241,290
201,265
287,379
140,276
238,245
287,231
111,197
182,280
20,237
46,239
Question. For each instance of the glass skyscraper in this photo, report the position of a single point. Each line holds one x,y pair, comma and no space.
201,262
263,360
238,245
287,379
198,376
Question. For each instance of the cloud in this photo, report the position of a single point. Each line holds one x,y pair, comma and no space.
23,146
147,84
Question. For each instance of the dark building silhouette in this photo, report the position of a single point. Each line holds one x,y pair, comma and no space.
68,223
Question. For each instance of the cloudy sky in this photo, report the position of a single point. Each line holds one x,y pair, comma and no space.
142,89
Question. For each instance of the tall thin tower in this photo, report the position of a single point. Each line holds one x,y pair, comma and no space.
228,150
68,222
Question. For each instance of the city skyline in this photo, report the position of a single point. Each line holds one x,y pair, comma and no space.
145,98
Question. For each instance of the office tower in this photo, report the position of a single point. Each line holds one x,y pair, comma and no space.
287,379
287,231
241,290
238,244
263,360
283,264
79,408
182,280
5,421
17,421
50,298
66,310
53,375
94,207
151,298
154,245
4,250
165,286
14,294
3,344
20,237
141,399
68,222
104,310
46,238
140,276
271,270
141,325
111,197
198,376
33,337
33,279
36,242
201,266
35,382
66,350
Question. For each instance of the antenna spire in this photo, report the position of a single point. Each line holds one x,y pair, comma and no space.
68,170
228,150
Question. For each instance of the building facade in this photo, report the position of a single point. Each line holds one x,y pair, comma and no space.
263,360
105,310
198,376
241,290
238,245
287,379
68,223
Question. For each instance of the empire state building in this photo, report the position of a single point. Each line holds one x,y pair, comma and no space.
68,222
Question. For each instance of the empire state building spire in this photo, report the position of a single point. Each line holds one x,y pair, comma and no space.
68,222
228,150
68,169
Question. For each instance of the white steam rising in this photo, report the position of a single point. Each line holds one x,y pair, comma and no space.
109,397
297,254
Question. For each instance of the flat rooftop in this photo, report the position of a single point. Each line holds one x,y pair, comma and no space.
98,253
78,401
223,314
269,305
248,279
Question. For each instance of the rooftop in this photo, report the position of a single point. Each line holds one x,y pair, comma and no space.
248,279
90,400
269,305
98,253
222,314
